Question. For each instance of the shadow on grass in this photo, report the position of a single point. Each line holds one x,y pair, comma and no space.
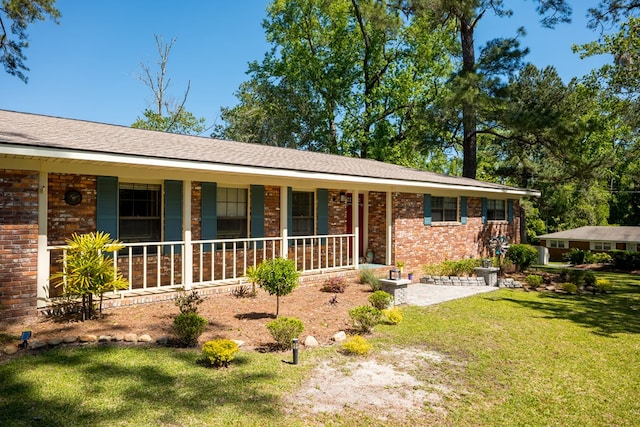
115,386
606,314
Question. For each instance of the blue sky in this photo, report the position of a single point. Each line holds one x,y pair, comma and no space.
86,67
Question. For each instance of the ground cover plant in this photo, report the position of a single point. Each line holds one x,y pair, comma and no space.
508,357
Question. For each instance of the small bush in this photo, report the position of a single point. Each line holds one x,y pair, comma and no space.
380,299
603,285
577,277
577,257
337,285
356,345
368,277
365,317
187,327
625,260
278,277
602,258
569,288
188,302
522,256
393,315
220,352
534,281
589,279
284,330
244,291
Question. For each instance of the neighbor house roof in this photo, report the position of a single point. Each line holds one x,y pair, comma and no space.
597,233
24,134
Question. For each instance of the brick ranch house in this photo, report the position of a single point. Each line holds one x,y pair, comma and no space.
596,238
196,212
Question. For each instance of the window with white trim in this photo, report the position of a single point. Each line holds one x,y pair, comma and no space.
557,244
496,210
302,213
602,246
633,247
231,211
444,209
140,210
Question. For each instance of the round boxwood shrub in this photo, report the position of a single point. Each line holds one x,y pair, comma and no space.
522,256
380,299
365,317
220,352
284,330
187,327
356,345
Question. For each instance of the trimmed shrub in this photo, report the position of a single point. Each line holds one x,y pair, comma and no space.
589,278
278,277
522,256
368,277
284,330
380,299
603,285
534,281
602,258
356,345
365,317
187,327
625,260
453,268
577,277
336,285
220,352
393,315
569,288
188,302
577,257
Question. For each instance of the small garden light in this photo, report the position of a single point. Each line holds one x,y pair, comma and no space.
295,351
395,274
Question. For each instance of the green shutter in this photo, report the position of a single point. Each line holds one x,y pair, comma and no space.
323,212
107,205
484,210
510,211
427,209
208,213
173,211
257,211
463,209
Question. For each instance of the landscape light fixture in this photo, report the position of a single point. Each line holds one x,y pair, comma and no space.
395,274
25,339
295,351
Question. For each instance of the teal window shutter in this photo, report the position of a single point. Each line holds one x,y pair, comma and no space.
257,212
427,209
208,213
172,210
484,210
323,211
510,210
107,208
463,210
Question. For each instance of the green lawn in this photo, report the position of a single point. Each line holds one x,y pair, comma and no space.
521,359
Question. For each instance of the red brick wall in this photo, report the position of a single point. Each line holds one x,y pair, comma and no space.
417,244
337,213
64,219
377,226
18,243
271,211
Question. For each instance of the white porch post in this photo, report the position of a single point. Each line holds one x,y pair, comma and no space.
365,225
355,210
42,277
187,262
389,225
284,222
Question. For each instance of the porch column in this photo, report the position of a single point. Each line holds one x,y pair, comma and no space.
389,226
355,207
284,222
42,277
187,262
365,225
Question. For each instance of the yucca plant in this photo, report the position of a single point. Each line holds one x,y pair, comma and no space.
88,271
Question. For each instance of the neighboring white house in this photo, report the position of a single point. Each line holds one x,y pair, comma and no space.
591,238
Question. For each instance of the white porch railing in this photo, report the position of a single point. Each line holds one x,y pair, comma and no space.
162,265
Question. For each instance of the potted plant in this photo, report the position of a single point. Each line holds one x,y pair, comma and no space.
410,276
400,265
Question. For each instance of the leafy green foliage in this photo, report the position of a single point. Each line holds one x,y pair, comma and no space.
625,260
334,284
522,256
181,122
453,268
577,257
604,285
356,345
380,299
278,277
220,352
368,277
570,288
188,302
393,315
365,317
87,270
187,327
284,330
533,281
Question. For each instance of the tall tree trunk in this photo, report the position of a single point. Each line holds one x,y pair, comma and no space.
469,121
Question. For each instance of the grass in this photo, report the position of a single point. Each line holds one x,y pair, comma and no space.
519,358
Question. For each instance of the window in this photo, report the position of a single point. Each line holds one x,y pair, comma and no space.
496,210
444,209
559,244
231,210
633,247
601,246
140,213
302,213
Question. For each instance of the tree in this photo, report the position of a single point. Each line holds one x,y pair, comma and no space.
279,277
346,77
167,114
21,13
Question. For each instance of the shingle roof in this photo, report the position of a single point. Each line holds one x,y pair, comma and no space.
24,129
597,233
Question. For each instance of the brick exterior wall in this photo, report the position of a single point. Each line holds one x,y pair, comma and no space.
64,219
377,226
18,243
271,211
417,244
